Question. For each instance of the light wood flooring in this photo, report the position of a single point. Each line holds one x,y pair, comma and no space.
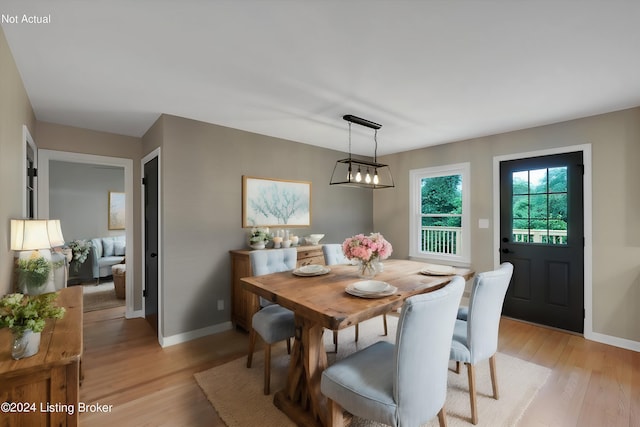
591,385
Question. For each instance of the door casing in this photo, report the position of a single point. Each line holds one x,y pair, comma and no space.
588,218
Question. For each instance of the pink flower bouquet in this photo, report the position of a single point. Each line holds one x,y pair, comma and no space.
367,248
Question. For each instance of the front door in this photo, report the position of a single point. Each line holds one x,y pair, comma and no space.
151,242
542,235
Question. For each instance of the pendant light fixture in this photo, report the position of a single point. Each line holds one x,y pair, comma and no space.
361,173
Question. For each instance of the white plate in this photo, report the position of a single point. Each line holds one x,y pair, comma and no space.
310,269
302,272
438,270
371,286
351,290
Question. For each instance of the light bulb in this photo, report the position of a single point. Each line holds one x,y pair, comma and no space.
367,178
358,176
375,178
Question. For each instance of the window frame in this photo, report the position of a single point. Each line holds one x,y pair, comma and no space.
415,214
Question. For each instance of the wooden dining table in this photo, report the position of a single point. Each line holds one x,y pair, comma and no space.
321,302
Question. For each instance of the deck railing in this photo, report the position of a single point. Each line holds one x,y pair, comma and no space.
550,237
446,240
441,240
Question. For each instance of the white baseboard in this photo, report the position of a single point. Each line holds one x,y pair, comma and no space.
614,341
192,335
134,314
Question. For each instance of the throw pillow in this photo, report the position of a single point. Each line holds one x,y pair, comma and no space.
107,247
119,248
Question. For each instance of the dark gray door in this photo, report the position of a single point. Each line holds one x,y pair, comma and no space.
150,182
542,235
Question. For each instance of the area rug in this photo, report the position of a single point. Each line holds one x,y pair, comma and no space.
100,297
236,391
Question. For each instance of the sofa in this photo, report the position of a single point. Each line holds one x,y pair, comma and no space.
106,252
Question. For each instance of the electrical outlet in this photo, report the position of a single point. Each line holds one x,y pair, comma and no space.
220,304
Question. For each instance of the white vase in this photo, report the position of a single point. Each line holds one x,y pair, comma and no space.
26,345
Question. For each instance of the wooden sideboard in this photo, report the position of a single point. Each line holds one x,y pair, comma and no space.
43,390
244,304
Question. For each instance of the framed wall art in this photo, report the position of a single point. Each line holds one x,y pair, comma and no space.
275,202
116,210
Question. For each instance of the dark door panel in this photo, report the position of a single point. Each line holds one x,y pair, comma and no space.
542,234
151,242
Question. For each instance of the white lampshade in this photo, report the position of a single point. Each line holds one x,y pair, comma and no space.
55,233
32,234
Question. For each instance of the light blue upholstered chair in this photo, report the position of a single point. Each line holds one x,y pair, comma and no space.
476,338
403,384
333,255
272,322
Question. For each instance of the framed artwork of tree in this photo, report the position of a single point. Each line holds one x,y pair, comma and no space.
275,203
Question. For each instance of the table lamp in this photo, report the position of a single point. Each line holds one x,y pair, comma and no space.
34,238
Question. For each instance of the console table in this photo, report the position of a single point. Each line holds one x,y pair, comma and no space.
245,304
50,377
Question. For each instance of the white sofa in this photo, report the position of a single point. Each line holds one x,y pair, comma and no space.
106,252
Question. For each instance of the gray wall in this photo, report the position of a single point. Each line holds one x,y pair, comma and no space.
202,167
615,140
79,196
15,111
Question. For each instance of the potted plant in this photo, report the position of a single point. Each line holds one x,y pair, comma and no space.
259,237
25,316
80,250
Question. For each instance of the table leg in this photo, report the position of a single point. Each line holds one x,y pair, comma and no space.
302,400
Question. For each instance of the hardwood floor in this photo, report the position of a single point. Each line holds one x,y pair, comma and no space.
592,384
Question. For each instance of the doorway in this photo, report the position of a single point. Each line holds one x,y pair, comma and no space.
45,157
542,235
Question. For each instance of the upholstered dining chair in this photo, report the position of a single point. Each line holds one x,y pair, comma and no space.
333,255
475,337
403,384
272,322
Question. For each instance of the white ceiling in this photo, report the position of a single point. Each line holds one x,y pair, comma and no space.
430,72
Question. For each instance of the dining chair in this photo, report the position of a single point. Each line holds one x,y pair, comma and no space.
401,384
334,255
476,338
272,322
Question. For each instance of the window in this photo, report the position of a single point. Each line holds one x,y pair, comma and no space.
439,223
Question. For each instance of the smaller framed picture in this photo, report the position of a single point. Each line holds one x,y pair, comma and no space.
116,210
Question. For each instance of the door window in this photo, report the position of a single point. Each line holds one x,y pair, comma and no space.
539,206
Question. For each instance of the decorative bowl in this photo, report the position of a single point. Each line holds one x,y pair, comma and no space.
314,239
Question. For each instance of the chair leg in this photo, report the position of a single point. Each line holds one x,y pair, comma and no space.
442,417
457,367
494,378
357,332
335,341
384,320
267,369
252,346
472,392
288,345
336,417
